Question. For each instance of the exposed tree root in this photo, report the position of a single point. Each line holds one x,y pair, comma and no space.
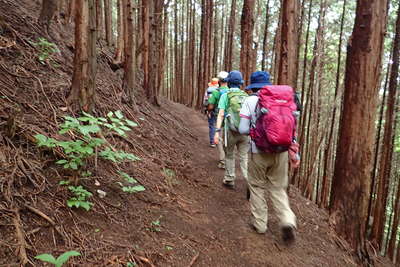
21,250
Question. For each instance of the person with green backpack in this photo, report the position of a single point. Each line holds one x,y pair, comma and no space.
229,106
213,108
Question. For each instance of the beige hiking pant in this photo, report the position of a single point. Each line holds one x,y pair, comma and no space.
220,147
241,142
269,172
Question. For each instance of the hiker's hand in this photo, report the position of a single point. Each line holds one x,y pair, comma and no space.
216,138
294,156
294,163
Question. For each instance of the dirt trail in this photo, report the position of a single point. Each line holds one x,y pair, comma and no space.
222,217
185,218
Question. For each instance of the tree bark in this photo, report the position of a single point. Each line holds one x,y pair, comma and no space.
155,39
99,19
313,108
47,12
108,22
385,165
119,51
351,186
129,66
265,38
288,44
146,42
326,177
246,38
396,222
80,90
229,40
204,68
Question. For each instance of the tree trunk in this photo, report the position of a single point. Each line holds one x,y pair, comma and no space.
47,12
385,165
129,72
288,44
71,11
92,56
246,38
119,51
80,90
108,22
205,51
300,32
351,186
100,19
375,168
155,38
329,144
303,80
265,38
146,42
396,222
312,109
229,41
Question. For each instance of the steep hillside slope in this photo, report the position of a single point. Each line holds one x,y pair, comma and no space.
183,218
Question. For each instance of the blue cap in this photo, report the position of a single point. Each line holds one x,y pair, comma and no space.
235,77
259,79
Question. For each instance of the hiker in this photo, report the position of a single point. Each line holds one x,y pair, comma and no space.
270,111
229,106
211,116
213,107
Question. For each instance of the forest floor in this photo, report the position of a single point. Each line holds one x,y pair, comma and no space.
184,218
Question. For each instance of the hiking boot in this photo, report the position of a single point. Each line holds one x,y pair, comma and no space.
229,185
252,226
221,164
212,145
288,235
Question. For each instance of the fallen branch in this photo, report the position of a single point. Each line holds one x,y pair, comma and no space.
41,214
146,260
194,259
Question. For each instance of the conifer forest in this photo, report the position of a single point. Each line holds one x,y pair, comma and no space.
104,158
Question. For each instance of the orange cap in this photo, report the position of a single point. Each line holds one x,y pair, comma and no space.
214,82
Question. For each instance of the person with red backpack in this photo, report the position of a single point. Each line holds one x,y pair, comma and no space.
229,106
268,115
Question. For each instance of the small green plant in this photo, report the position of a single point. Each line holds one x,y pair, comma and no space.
117,156
170,177
84,145
80,198
130,188
46,50
168,247
63,258
155,225
169,172
131,264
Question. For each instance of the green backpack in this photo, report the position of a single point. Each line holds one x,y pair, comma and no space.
235,101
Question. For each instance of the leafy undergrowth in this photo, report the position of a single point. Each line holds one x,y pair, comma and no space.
36,217
166,209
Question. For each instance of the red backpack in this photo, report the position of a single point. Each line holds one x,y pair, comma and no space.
275,129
